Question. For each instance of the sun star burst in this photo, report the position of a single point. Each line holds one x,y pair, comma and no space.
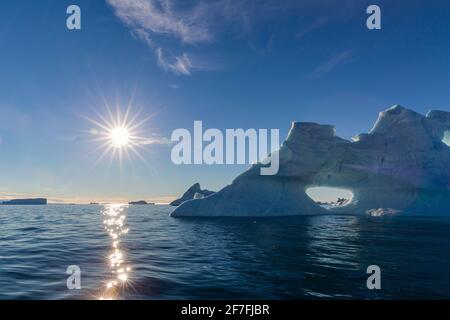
119,134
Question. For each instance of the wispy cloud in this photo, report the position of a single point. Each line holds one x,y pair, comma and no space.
317,23
191,23
332,63
156,141
181,65
150,20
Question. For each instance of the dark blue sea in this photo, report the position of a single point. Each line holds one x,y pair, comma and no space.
140,252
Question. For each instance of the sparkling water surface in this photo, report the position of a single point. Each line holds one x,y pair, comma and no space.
140,252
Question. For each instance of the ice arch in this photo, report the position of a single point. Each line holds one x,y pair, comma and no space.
399,166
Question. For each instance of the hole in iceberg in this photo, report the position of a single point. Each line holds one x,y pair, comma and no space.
329,197
446,138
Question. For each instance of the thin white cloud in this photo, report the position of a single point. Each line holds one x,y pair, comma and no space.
142,35
182,65
155,18
332,63
196,22
151,19
317,23
156,140
190,22
167,17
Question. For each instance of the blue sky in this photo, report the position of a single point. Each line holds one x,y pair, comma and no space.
231,64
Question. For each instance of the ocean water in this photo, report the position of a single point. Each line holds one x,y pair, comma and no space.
140,252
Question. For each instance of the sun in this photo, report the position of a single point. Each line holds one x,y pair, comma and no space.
120,137
118,134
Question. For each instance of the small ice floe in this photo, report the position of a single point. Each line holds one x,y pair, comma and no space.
340,202
382,212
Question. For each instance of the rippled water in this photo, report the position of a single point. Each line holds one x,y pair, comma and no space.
140,252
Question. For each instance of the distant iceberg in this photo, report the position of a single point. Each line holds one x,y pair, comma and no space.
39,201
402,164
140,203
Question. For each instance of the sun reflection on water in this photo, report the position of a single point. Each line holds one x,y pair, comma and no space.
114,222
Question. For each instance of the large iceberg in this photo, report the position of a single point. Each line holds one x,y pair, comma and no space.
402,165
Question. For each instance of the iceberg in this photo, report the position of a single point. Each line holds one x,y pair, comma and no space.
194,192
380,212
24,202
402,164
140,203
